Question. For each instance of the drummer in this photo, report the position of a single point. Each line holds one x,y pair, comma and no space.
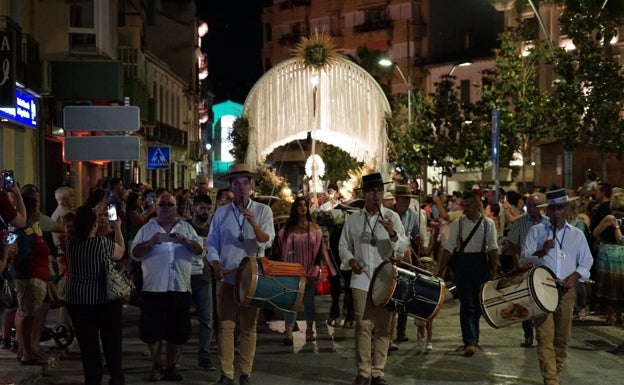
563,249
239,229
370,236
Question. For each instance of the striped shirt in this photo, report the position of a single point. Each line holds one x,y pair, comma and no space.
88,261
520,228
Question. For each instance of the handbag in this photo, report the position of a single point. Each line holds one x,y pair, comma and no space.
7,297
323,286
118,285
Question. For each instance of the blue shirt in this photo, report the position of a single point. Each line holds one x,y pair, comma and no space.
227,225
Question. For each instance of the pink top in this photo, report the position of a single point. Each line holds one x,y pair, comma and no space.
301,248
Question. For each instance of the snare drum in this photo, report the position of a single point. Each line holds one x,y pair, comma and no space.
254,288
519,296
410,292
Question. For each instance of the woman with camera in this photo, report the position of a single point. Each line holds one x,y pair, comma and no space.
95,318
610,261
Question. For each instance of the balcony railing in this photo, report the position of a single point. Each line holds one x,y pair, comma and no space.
294,3
374,25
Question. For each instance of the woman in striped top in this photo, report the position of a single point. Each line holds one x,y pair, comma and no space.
93,314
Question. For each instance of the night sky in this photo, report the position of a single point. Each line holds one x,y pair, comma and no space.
233,45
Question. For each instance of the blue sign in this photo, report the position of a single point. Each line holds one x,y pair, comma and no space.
25,111
158,158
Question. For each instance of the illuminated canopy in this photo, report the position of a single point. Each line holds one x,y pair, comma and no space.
340,104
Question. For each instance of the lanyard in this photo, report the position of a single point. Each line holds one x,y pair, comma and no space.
240,224
560,243
373,240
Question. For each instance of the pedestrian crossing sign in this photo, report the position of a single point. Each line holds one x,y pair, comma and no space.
158,157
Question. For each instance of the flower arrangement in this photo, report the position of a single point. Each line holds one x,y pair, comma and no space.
317,50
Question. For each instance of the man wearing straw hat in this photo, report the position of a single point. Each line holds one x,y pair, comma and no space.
238,229
563,249
369,237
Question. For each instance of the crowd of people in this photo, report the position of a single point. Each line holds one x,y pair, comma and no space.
183,254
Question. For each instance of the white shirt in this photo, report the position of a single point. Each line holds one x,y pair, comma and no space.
166,266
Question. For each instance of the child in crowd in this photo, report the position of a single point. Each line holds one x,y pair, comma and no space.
425,328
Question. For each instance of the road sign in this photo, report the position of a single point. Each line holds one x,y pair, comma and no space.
158,157
81,148
101,118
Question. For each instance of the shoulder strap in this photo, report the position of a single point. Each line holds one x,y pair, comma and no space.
474,229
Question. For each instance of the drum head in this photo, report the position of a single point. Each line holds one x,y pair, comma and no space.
383,284
544,288
246,280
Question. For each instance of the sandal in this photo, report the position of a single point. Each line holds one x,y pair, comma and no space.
288,340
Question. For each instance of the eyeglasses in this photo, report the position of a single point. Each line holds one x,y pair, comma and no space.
166,204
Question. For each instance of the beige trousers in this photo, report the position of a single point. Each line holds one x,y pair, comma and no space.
370,323
228,310
553,333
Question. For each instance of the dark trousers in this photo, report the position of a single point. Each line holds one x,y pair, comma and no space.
471,271
92,324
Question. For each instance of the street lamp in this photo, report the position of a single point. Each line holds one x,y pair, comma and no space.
460,64
388,63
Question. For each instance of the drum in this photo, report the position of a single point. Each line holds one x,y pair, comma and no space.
254,288
405,291
519,296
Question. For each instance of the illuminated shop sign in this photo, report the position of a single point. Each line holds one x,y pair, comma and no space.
25,111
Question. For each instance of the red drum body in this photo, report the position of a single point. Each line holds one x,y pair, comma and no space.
519,296
254,288
404,291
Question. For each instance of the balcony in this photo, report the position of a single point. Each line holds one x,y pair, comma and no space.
294,3
373,25
31,63
289,39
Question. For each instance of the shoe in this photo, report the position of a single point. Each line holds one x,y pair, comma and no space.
528,343
224,381
244,380
392,347
361,380
378,381
429,347
310,336
156,374
207,365
288,340
347,324
470,351
172,375
401,338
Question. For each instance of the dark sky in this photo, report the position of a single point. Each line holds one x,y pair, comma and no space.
233,45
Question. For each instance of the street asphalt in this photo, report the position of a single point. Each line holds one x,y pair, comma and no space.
330,360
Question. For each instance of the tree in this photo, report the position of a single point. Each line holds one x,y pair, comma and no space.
589,92
337,163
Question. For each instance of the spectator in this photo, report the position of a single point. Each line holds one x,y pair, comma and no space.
95,318
166,247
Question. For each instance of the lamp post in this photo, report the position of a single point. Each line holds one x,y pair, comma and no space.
460,64
387,63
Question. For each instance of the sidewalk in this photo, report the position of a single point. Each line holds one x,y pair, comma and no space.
330,360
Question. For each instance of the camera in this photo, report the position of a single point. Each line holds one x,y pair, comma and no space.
8,180
619,221
11,238
112,213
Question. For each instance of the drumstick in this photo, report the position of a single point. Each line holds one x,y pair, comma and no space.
414,268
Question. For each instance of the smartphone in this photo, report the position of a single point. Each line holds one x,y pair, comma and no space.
436,192
9,180
619,221
112,213
11,238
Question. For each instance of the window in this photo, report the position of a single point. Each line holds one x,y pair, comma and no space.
82,36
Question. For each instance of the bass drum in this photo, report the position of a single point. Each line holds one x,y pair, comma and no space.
410,292
519,296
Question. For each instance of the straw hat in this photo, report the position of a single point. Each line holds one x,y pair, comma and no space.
403,190
557,198
238,169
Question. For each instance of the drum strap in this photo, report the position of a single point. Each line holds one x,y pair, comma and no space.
460,242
